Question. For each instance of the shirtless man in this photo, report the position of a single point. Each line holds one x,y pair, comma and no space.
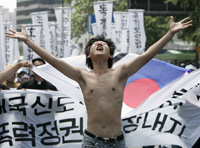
103,87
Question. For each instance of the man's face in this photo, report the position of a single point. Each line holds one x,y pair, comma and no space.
99,48
38,63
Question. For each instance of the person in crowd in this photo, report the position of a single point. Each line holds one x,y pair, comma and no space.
19,75
191,66
25,77
103,87
5,74
38,82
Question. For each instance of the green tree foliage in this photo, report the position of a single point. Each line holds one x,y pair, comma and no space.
155,28
192,33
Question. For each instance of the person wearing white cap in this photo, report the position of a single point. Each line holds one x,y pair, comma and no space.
191,67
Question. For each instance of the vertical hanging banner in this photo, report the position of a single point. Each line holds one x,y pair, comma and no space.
124,40
124,20
33,32
124,33
113,36
63,16
2,53
9,44
41,18
53,40
118,29
103,14
137,32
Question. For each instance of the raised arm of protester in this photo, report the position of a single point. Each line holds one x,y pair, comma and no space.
59,64
5,74
141,60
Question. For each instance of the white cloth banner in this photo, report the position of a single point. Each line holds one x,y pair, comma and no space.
118,29
63,16
103,14
53,39
9,44
113,36
41,18
33,31
40,119
137,31
124,18
46,119
125,40
2,45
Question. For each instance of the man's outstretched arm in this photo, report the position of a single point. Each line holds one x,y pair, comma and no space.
59,64
141,60
5,74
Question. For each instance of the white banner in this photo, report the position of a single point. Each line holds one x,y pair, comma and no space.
63,16
137,31
2,46
125,21
103,14
124,40
33,31
40,119
113,37
41,18
9,44
118,29
46,119
53,39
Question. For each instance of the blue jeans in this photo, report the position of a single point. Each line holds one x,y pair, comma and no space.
89,142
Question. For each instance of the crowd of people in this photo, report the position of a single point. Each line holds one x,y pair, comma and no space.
22,79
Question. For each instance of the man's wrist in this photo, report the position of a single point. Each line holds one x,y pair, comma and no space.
171,33
27,41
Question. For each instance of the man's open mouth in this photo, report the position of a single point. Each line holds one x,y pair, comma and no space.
99,49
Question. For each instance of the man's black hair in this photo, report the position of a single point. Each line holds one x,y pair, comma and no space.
110,43
38,59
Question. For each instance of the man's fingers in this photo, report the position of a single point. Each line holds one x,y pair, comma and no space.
183,20
172,19
24,28
8,33
12,31
187,23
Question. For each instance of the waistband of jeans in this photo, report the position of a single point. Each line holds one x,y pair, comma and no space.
106,140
